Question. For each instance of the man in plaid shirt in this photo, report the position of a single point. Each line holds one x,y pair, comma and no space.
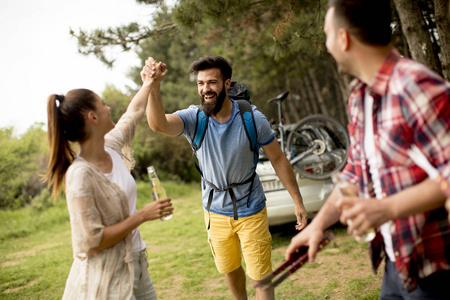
394,103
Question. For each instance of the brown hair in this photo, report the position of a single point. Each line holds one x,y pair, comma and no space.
210,62
66,116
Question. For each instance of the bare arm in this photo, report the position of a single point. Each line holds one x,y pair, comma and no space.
115,233
372,213
419,198
152,73
286,174
158,120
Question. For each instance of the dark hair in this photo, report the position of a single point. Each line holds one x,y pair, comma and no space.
368,20
66,115
210,62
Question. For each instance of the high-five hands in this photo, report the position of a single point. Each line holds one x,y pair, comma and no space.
153,70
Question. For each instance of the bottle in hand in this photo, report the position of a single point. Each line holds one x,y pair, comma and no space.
345,191
158,191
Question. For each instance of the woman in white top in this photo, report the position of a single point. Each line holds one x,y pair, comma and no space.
109,254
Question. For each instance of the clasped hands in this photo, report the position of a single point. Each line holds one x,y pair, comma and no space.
153,70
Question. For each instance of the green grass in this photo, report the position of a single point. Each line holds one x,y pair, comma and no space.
36,255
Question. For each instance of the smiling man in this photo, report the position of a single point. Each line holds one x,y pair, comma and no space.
233,198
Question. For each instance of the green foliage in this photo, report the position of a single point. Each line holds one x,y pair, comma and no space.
148,1
271,44
27,221
42,201
279,28
117,100
171,156
125,37
23,159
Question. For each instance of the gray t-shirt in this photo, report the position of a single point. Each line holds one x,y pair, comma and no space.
225,158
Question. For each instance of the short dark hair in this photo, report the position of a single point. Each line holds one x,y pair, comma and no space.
368,20
210,62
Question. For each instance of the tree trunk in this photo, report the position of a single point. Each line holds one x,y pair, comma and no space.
286,113
341,109
342,83
416,32
293,112
316,88
442,15
310,95
303,105
302,101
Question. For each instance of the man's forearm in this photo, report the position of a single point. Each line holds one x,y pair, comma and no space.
286,175
328,214
155,109
419,198
158,120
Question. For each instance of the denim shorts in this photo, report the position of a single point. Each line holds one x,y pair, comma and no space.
227,236
143,288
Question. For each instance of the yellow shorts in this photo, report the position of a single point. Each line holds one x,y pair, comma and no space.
226,236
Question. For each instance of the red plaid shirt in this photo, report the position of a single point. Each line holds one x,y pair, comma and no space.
411,106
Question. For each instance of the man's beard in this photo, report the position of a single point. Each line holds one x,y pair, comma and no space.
212,108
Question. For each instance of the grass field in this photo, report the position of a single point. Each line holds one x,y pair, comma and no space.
36,255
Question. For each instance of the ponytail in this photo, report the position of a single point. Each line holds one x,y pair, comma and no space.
61,154
65,116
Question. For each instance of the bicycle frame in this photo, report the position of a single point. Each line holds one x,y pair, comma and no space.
316,146
280,126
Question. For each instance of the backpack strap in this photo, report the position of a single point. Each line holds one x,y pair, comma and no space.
250,127
200,129
248,120
230,190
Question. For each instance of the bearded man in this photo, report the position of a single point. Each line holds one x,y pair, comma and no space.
226,159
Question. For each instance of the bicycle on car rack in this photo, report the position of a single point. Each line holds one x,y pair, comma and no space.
316,146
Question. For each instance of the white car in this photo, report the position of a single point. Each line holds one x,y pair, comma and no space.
280,206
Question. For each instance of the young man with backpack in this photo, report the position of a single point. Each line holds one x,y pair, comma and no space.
225,136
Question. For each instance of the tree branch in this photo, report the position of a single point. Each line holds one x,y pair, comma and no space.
97,41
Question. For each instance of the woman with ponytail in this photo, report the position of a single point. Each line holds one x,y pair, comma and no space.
109,255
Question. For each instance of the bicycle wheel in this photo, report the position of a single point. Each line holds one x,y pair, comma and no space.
317,146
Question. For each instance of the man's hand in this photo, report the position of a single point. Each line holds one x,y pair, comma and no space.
309,237
364,213
153,71
302,216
